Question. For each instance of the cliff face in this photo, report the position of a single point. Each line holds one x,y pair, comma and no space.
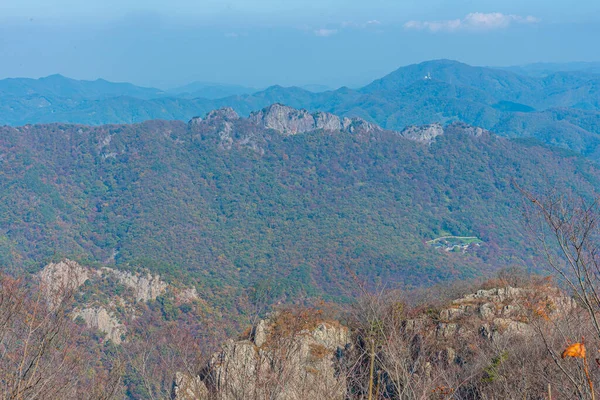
290,121
277,362
145,286
106,298
101,319
61,277
287,120
428,133
502,312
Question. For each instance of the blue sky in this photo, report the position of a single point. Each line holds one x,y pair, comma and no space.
288,42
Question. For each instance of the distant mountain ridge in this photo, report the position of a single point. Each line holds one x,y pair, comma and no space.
561,108
63,87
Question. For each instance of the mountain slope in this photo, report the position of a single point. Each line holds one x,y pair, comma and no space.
229,202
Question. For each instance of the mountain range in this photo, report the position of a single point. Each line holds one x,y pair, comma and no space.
561,108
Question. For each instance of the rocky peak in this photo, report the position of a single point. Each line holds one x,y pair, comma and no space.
506,310
242,368
327,121
225,113
61,277
423,133
359,125
284,119
461,127
290,121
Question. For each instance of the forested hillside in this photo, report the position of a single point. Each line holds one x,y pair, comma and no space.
227,202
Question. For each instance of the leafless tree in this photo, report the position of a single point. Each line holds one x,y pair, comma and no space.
156,353
567,229
42,354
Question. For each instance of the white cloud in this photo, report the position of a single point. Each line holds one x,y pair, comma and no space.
325,32
473,21
360,25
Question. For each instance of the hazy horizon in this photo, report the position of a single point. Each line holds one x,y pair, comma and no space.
260,43
324,86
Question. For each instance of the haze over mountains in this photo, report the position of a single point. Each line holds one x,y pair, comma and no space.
557,107
262,199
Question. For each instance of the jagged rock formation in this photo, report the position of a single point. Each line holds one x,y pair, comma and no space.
279,361
253,132
359,126
99,318
461,127
327,121
187,387
146,287
100,310
428,133
60,278
425,133
290,121
278,364
502,311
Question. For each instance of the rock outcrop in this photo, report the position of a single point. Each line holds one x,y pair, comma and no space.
278,364
99,318
59,278
298,357
290,121
225,113
252,132
465,129
424,133
427,133
327,121
502,311
106,311
188,387
145,286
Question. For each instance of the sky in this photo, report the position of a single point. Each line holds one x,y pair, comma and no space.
259,43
